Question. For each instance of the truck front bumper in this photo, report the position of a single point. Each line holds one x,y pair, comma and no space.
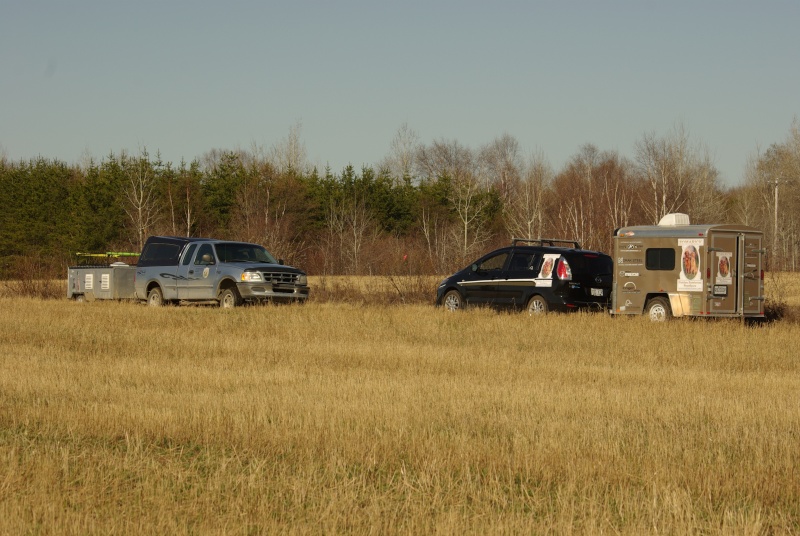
267,291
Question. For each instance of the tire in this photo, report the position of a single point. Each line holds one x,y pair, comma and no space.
155,298
658,310
453,301
229,298
537,306
79,298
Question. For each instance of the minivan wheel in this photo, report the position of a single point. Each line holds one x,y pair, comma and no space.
658,310
155,298
453,301
537,306
229,298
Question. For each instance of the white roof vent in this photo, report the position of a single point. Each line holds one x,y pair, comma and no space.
672,220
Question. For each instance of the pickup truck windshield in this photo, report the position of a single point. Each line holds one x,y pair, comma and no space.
237,252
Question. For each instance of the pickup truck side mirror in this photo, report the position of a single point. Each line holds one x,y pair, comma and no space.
280,261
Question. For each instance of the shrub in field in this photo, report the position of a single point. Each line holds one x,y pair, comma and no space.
781,293
33,277
375,290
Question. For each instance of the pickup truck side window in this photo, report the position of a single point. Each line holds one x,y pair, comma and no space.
205,255
187,257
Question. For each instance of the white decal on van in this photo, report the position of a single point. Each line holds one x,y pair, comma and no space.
548,265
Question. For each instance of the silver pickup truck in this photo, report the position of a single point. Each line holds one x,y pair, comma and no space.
201,270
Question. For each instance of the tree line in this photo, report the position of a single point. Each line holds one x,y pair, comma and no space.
425,208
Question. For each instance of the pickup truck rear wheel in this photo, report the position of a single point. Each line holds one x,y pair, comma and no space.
229,298
155,298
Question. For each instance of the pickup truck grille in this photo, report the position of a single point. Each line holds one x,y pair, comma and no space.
280,277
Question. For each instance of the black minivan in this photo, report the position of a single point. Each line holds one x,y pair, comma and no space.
537,275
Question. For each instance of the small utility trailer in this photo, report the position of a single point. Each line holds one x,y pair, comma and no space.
677,269
95,277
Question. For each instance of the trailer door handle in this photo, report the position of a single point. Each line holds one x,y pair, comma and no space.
191,271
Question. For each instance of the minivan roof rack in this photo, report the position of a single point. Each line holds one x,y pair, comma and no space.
546,242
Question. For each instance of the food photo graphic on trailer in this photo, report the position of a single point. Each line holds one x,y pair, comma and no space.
691,276
724,276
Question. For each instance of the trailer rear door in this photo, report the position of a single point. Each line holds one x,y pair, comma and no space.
724,255
751,270
735,265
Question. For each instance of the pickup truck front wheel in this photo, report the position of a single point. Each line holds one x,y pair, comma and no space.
229,298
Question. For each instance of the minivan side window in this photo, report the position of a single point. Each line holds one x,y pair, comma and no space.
494,263
660,259
521,261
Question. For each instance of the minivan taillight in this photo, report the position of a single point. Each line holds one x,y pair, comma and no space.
563,271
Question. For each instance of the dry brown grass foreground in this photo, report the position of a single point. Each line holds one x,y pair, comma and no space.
330,418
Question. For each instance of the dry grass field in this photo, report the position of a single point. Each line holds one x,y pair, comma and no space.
362,417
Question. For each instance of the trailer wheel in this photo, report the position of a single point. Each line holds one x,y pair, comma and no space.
658,310
79,298
537,306
155,298
229,298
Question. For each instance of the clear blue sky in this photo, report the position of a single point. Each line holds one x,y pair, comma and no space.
185,77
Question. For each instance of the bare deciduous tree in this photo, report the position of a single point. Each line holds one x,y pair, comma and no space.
525,204
466,198
140,194
664,163
706,202
350,226
500,164
401,159
290,154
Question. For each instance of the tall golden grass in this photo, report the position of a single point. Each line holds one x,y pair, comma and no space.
361,418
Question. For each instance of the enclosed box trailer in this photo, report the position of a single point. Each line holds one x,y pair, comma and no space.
678,269
101,281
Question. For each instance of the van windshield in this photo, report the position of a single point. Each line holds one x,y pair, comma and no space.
238,252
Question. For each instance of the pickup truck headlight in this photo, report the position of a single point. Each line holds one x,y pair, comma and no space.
252,277
302,279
